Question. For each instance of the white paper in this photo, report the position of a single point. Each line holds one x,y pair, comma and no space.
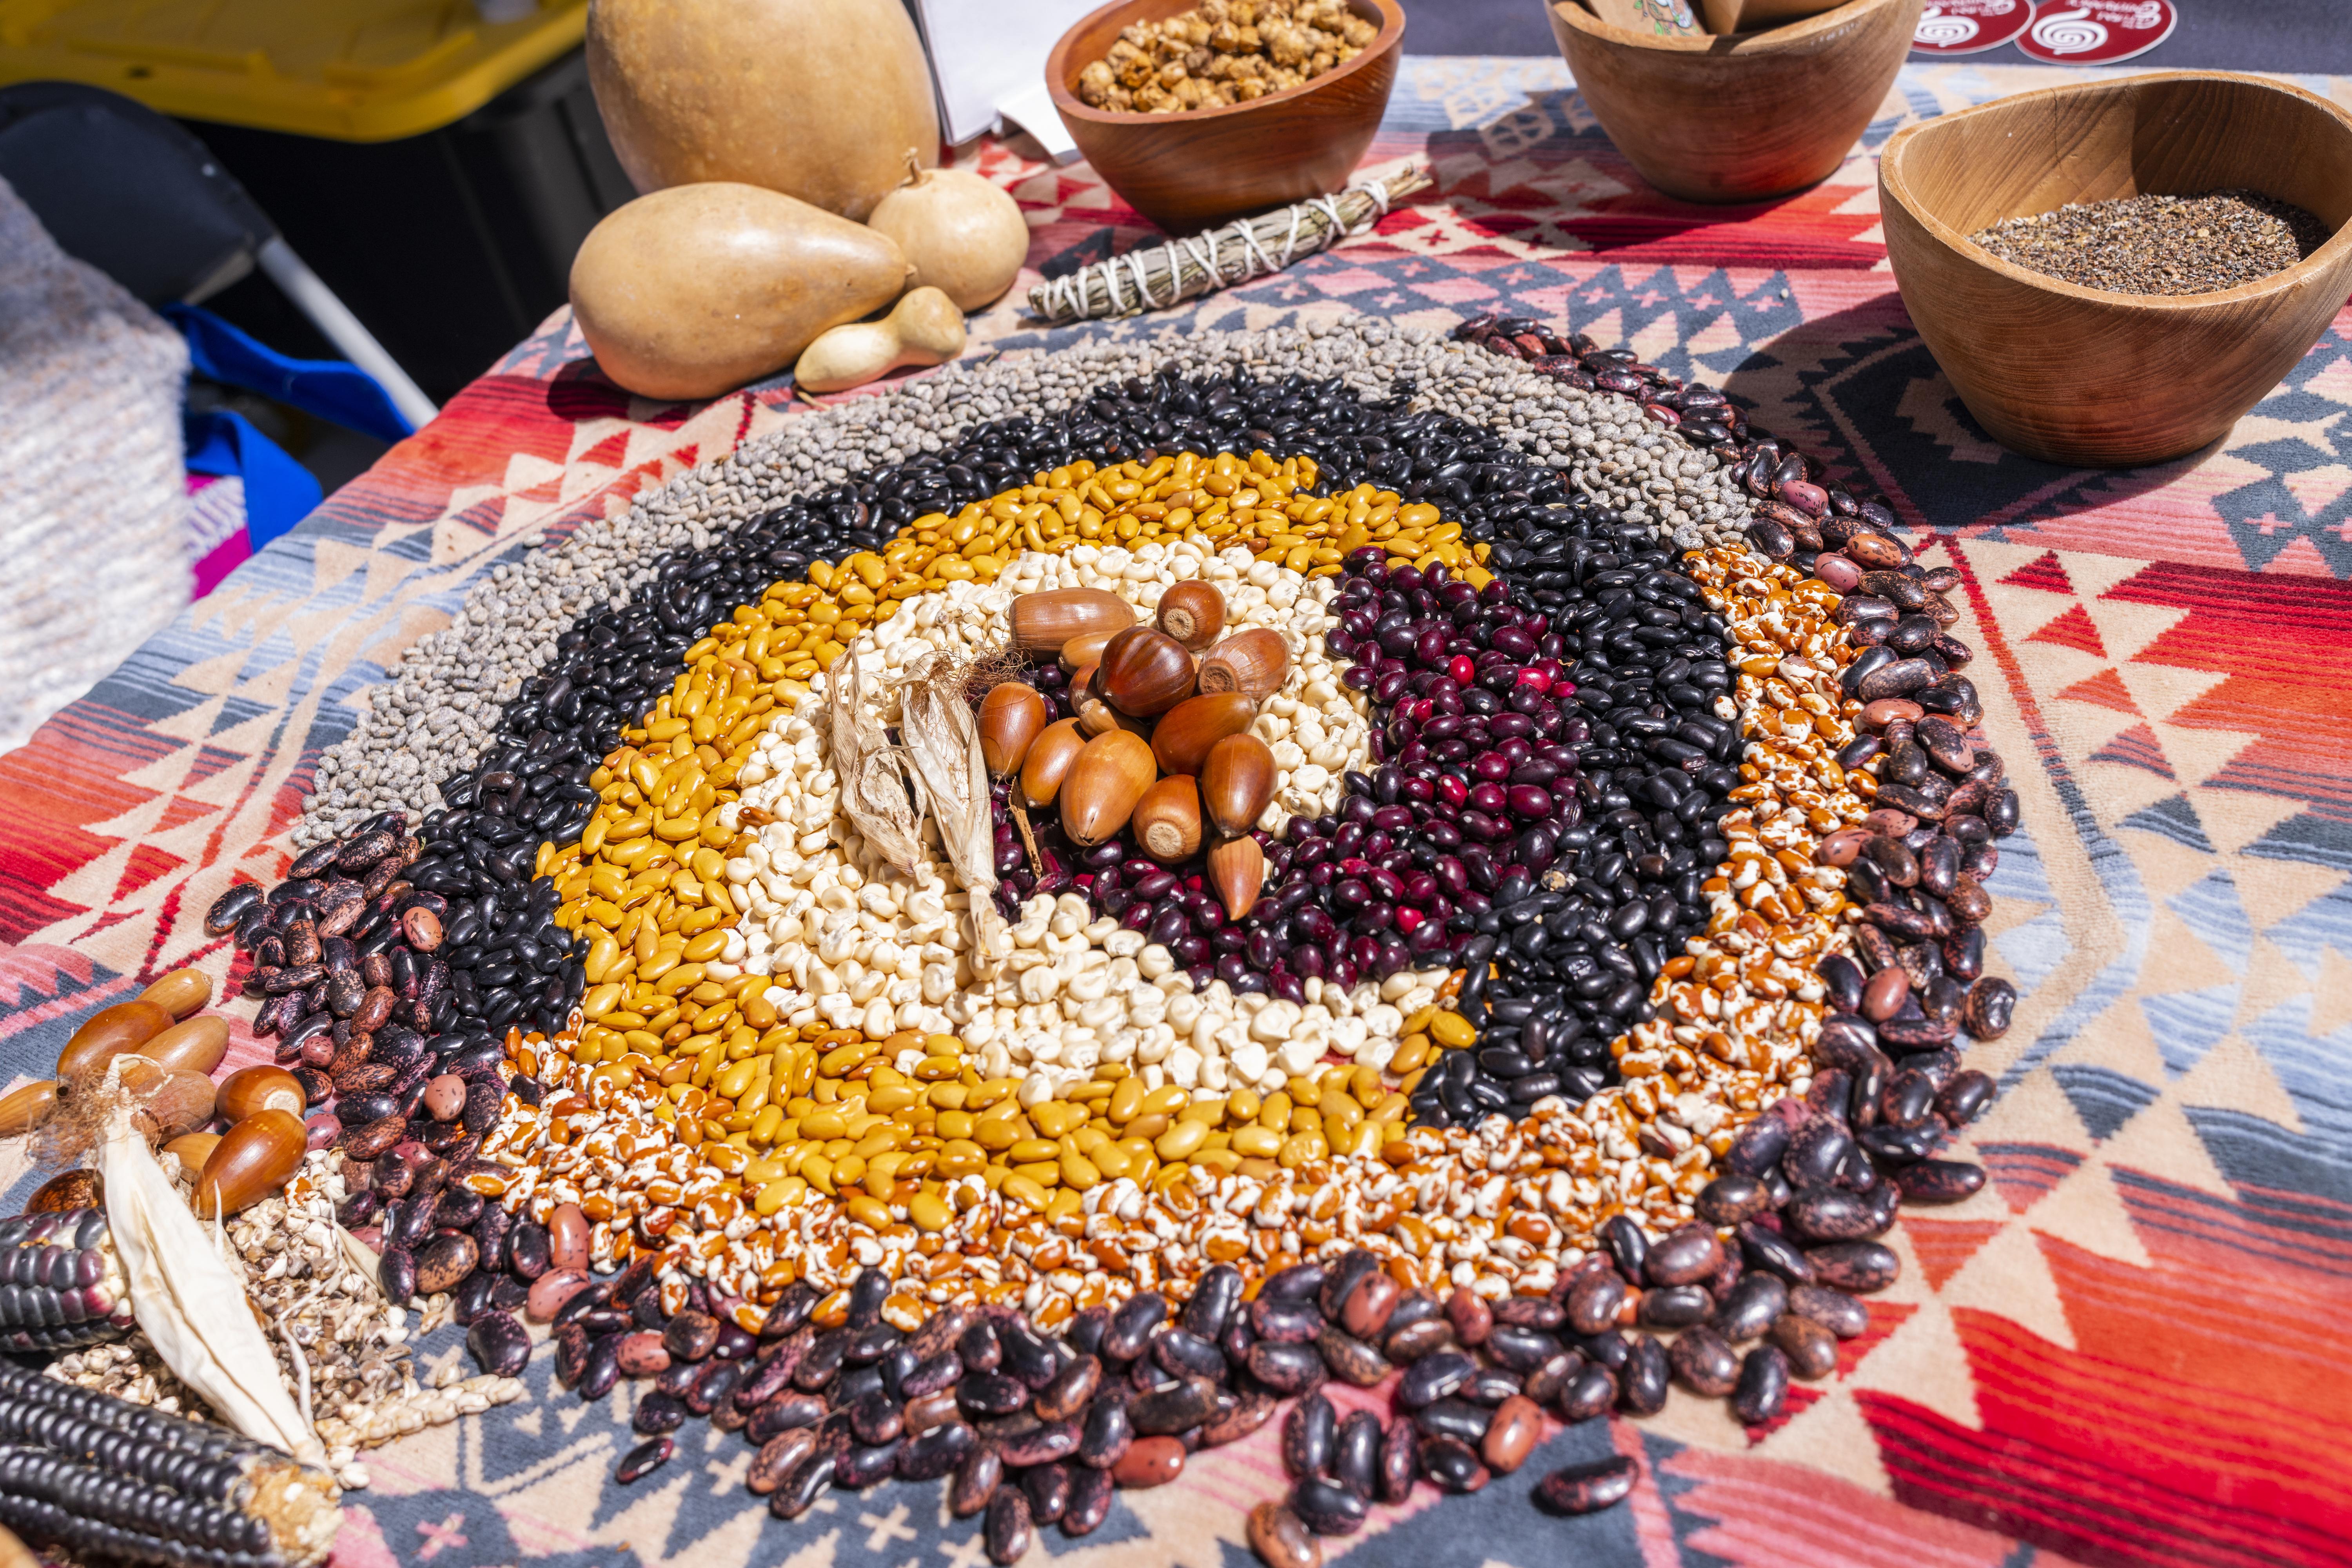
986,55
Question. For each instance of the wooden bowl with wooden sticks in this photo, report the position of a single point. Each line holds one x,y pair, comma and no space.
1200,167
1745,116
2090,376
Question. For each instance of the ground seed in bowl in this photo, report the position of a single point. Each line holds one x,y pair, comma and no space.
2160,244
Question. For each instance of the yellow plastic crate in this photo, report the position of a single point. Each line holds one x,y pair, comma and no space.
352,70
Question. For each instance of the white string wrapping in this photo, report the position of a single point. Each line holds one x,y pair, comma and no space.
1154,278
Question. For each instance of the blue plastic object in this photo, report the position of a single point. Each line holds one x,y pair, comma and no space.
340,393
278,491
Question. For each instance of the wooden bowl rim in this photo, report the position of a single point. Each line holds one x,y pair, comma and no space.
2336,251
1750,45
1073,107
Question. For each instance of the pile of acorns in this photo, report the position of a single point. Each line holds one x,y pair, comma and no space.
1159,742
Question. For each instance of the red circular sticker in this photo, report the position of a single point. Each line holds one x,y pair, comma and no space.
2096,32
1968,27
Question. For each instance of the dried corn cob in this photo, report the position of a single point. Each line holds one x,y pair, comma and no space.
60,1283
105,1477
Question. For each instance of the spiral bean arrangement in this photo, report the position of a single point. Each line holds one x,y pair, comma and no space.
1593,831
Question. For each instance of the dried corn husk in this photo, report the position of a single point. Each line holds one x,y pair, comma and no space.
875,782
191,1306
943,747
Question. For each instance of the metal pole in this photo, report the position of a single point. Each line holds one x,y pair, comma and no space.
356,344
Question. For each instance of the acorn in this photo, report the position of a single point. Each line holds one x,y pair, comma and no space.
125,1026
1144,672
1048,762
1085,652
1193,613
195,1044
180,993
182,1103
248,1091
1236,870
1251,662
1104,787
1012,716
28,1109
1043,623
193,1149
1182,739
1167,820
1237,782
254,1160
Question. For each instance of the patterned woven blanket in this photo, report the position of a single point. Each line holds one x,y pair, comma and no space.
2129,1349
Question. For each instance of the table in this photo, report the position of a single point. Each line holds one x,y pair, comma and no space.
2127,1350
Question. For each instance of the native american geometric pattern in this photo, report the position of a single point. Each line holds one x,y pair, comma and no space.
2128,1350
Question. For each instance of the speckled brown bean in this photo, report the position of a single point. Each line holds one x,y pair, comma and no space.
422,927
1071,1388
1511,1437
1587,1489
567,1237
1687,1255
550,1291
1835,1310
1351,1361
1990,1002
1366,1311
1704,1361
1150,1462
445,1260
1400,1459
775,1460
1252,1409
1939,1181
1282,1540
1594,1301
1472,1319
1811,1349
1417,1339
1859,1265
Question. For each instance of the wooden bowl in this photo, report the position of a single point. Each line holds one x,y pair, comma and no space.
1745,116
2087,376
1194,171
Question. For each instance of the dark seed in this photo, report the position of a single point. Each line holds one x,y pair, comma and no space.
977,1476
1642,1381
1400,1461
1089,1504
1356,1455
1859,1265
1587,1489
1308,1433
1835,1310
1327,1508
1704,1361
1939,1181
1452,1466
776,1459
1990,1004
1763,1386
1150,1462
1048,1488
500,1344
659,1412
1811,1349
645,1458
1007,1533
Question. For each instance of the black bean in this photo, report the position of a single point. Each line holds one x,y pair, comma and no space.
1587,1489
1452,1465
1308,1436
1327,1508
1007,1531
645,1458
1642,1381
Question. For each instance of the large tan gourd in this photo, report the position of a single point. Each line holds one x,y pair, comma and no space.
694,290
817,98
